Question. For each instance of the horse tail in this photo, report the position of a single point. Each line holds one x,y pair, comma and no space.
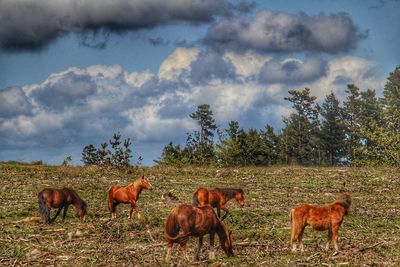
196,199
110,198
292,224
43,209
172,229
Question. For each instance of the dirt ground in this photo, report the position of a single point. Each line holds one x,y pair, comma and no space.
261,230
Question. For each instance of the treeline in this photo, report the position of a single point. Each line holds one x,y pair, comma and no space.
363,130
116,153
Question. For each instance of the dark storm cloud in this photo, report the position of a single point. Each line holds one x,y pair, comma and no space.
281,32
211,66
292,71
14,102
71,89
31,25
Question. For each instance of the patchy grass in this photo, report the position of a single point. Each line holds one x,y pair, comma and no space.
369,235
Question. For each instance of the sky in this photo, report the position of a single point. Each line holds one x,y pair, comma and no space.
74,72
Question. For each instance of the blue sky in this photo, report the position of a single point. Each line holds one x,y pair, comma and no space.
72,73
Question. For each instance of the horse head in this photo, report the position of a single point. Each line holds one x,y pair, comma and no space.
225,240
239,196
81,210
145,183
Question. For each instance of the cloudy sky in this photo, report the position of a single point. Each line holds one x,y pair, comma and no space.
74,72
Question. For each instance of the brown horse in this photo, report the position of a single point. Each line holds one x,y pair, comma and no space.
60,198
127,195
197,222
217,198
321,218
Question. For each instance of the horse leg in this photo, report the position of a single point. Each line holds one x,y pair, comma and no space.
218,212
199,248
212,251
301,238
184,250
329,239
335,234
65,212
113,211
55,216
226,213
134,207
170,245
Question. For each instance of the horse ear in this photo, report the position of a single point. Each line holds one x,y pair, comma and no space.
143,176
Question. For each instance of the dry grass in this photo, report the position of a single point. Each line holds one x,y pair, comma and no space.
370,234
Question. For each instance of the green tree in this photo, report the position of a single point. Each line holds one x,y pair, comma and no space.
89,155
202,143
300,135
352,107
386,136
333,135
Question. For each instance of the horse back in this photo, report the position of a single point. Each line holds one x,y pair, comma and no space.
202,196
320,217
119,193
54,198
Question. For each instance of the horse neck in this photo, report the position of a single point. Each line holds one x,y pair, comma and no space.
138,187
221,233
228,193
76,200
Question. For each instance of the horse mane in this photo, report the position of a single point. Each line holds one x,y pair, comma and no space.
230,192
136,183
345,201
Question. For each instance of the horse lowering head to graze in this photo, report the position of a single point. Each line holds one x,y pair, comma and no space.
197,222
60,198
217,198
321,218
127,195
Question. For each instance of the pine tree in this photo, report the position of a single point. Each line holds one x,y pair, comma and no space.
89,155
333,137
386,137
352,107
204,144
301,132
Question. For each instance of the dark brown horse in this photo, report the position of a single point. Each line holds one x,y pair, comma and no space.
197,222
127,195
321,218
60,198
217,198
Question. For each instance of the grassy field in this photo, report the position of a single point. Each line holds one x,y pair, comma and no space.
369,235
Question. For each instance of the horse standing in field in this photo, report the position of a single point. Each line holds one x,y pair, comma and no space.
197,222
127,195
321,218
60,198
217,198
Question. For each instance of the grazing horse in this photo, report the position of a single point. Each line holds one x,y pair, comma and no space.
127,195
197,222
321,218
60,198
217,198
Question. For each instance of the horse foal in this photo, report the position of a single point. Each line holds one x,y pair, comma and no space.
321,218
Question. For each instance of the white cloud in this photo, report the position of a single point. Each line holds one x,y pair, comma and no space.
247,64
80,106
176,63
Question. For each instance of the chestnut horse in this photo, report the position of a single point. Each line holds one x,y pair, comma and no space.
197,222
217,198
127,195
327,217
60,198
